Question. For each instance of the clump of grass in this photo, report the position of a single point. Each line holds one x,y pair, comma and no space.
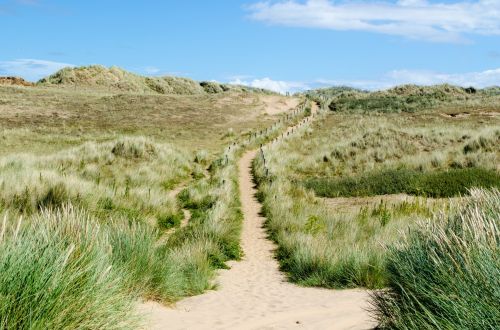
134,148
447,275
56,273
201,157
167,221
154,272
450,183
483,143
63,269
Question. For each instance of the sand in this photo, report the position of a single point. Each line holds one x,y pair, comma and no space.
254,294
276,104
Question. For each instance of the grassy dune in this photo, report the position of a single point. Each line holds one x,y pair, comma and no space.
97,77
427,154
407,98
89,158
92,197
47,119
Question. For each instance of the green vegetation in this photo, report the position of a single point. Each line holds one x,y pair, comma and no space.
121,178
320,247
74,162
331,243
101,165
56,272
406,98
40,121
96,77
450,183
447,275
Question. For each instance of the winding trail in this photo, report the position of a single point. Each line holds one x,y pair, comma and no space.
254,294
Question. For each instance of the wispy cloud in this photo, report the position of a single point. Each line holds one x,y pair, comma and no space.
416,19
278,86
30,69
152,70
398,77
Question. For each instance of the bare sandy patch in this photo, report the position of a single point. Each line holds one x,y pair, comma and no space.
353,204
276,104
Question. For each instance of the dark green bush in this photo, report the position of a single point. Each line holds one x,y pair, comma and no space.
437,184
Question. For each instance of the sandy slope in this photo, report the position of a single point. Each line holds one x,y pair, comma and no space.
253,294
276,104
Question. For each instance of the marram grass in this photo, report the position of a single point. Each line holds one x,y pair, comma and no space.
447,276
56,272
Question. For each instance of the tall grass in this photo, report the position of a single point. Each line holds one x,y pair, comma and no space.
56,272
447,276
316,247
127,177
63,269
110,199
320,246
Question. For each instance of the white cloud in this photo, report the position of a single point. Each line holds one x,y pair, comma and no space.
398,77
478,79
152,70
30,69
417,19
273,85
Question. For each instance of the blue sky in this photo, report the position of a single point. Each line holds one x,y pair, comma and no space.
283,45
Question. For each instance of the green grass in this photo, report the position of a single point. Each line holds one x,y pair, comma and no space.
56,273
447,276
44,119
321,244
75,160
121,178
438,184
97,77
64,269
405,98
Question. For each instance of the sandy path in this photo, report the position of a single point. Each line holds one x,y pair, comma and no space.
254,294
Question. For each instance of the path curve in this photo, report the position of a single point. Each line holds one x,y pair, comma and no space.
254,294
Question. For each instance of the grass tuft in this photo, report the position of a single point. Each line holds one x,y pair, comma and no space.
447,276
